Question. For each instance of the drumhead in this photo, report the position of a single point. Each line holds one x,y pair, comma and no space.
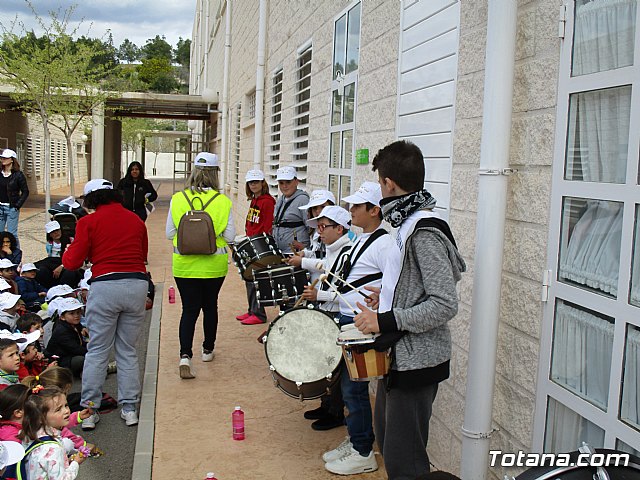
301,345
349,334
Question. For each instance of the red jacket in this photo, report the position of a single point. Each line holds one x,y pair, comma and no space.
113,239
260,215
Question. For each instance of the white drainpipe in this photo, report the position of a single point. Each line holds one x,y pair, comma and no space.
262,40
492,204
225,93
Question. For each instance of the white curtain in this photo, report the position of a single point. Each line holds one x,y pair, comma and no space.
582,348
630,407
567,430
635,272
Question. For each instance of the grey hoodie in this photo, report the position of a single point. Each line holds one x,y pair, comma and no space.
284,235
424,300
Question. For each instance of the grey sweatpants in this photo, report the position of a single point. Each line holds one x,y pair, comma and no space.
401,422
115,314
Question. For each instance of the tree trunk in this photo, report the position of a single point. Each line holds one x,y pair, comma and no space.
71,154
47,163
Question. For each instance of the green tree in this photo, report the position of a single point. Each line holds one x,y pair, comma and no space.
158,74
128,51
157,47
182,52
53,77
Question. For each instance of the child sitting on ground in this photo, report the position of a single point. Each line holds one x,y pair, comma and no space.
45,414
62,378
8,272
12,401
9,306
9,362
30,290
29,323
68,336
31,361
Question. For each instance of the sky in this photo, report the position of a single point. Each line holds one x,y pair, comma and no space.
137,20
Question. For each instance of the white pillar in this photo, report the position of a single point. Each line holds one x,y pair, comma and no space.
492,203
224,144
259,125
97,143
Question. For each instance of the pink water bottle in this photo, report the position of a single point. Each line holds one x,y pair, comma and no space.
172,294
237,419
210,476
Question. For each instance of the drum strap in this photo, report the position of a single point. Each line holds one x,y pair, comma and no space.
277,222
342,255
347,266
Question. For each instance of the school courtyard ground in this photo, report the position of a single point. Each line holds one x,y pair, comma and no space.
185,425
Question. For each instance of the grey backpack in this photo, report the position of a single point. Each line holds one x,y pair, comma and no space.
196,235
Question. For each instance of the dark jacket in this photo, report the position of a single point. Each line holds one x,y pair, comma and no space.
17,189
134,195
29,290
66,341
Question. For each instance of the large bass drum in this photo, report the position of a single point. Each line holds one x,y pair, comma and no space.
600,456
256,253
302,353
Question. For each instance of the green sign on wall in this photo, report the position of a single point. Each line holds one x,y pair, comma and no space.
362,156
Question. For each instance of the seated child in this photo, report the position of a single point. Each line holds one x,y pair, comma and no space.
45,414
50,269
9,307
9,248
9,362
62,378
31,361
68,336
28,323
30,290
8,272
12,401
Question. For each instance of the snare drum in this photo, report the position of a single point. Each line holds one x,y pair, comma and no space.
301,349
256,253
364,363
279,285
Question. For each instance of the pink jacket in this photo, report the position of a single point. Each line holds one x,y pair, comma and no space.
9,431
74,421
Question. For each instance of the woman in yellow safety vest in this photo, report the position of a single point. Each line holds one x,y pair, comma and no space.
199,278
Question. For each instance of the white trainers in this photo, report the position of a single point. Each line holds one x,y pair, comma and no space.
338,452
89,423
353,463
207,356
130,418
186,371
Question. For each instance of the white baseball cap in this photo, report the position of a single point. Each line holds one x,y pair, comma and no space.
4,285
8,300
23,340
369,192
318,197
286,173
96,184
28,267
6,263
206,159
52,226
10,453
334,213
254,175
68,305
8,153
58,291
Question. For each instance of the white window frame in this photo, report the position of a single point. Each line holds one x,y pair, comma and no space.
275,130
237,121
300,143
339,83
618,308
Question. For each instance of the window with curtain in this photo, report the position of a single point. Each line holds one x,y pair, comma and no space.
634,295
630,404
566,430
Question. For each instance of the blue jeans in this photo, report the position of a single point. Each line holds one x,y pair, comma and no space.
356,398
115,314
9,220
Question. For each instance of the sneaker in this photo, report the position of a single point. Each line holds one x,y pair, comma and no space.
130,418
207,355
112,367
327,423
353,463
186,371
244,316
252,320
315,414
338,452
89,423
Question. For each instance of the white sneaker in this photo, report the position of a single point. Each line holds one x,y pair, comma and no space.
89,423
186,371
338,452
130,418
207,356
353,463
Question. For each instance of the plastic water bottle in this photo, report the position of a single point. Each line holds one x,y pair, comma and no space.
210,476
172,294
237,419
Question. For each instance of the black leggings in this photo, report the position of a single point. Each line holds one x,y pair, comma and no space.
198,294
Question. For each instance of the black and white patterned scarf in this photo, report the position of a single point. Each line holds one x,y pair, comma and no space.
396,210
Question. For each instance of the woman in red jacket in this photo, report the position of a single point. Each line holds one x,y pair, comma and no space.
259,220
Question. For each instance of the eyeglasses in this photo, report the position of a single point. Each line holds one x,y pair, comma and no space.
321,226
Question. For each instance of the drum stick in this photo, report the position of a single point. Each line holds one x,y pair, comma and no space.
300,300
324,279
321,267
